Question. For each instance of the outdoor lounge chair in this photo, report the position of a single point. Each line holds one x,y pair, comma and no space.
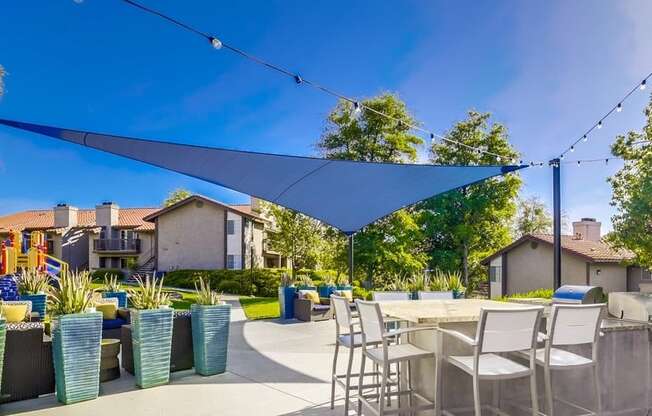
426,295
390,296
28,368
307,310
181,356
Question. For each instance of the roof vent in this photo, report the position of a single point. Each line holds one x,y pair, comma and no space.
62,204
588,219
107,203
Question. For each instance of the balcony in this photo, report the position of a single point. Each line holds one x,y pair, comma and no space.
116,245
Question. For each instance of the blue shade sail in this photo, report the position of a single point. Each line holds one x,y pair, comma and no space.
345,194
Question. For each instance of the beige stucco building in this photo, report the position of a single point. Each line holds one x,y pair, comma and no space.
527,264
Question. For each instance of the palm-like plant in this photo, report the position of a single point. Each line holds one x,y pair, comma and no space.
149,294
74,294
206,296
455,282
111,283
32,282
417,283
439,281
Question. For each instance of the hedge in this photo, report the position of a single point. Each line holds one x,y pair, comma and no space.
256,282
98,275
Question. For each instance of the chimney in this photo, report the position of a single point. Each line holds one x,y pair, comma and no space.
65,216
107,214
587,229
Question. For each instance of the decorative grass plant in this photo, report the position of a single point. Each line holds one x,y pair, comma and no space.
151,331
210,318
113,289
76,338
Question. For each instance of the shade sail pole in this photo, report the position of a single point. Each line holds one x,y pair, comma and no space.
350,237
556,195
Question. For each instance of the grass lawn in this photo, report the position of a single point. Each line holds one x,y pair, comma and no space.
260,308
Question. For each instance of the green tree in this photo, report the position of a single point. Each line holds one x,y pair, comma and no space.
532,217
632,193
295,236
393,244
175,196
465,225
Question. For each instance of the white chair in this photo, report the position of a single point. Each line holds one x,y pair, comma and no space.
390,296
425,295
377,348
570,325
499,331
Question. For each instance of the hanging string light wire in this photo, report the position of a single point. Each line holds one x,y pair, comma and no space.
357,105
582,161
598,125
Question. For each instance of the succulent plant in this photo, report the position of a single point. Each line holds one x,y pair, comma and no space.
286,280
111,283
149,294
32,282
304,280
342,279
74,294
206,296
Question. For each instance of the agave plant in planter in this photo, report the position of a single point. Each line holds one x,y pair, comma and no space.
33,286
113,289
210,318
76,336
151,332
286,293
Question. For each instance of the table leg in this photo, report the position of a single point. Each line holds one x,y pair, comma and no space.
438,372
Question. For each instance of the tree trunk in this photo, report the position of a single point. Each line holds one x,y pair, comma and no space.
465,263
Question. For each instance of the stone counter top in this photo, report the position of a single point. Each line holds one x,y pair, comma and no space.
435,312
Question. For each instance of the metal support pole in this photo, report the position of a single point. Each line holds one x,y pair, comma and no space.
351,259
556,195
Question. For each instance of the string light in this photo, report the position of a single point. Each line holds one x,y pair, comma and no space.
356,109
220,44
617,108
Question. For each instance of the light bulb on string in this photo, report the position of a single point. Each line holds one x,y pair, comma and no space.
643,84
600,124
217,44
579,162
585,138
432,137
619,108
357,109
572,148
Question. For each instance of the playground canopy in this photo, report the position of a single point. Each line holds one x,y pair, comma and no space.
345,194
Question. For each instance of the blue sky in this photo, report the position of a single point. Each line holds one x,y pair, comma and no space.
547,70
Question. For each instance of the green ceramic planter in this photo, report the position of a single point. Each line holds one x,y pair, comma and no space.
76,353
210,337
3,336
151,331
39,302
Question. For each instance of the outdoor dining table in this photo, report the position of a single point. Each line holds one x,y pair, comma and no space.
460,314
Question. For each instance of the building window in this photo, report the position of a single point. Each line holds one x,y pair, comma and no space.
494,273
230,261
230,227
123,263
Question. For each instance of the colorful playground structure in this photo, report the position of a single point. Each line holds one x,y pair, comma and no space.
18,253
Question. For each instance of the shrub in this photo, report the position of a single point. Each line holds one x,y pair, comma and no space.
257,282
538,293
361,293
98,275
229,286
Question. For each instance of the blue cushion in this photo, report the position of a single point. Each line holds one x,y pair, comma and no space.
113,323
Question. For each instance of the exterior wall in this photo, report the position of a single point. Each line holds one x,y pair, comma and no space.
191,237
253,242
74,248
234,241
496,288
635,276
93,258
56,246
612,277
146,246
530,268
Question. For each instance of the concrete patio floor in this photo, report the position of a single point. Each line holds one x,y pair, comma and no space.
275,368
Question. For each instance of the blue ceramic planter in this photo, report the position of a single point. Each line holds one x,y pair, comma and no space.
8,288
76,352
121,296
151,331
210,337
325,291
3,336
344,287
286,301
39,302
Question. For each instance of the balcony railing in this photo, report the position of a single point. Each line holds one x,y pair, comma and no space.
117,245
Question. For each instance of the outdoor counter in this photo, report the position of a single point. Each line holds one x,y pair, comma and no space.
624,353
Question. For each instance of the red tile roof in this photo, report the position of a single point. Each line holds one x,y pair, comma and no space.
594,251
44,219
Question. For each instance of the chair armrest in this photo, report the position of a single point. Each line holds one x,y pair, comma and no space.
456,334
402,331
541,337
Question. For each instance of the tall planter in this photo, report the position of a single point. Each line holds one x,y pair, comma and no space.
286,301
121,296
3,336
210,337
76,352
151,331
325,291
39,302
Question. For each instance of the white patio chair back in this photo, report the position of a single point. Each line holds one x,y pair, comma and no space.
574,324
342,311
425,295
507,330
371,321
389,296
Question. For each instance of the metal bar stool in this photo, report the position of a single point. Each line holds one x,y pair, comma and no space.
377,348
